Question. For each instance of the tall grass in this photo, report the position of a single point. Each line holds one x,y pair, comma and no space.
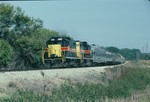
25,95
132,79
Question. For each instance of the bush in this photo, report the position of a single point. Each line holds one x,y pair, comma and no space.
6,53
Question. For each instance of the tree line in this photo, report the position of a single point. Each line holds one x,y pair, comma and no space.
129,54
22,38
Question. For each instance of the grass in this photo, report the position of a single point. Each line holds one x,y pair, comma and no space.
133,79
25,95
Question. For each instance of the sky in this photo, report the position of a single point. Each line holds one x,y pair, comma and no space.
119,23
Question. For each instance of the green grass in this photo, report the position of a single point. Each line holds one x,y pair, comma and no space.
132,79
25,95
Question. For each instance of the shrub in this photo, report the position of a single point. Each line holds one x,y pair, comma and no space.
6,53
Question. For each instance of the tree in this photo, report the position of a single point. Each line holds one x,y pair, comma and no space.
6,20
113,49
6,53
14,23
29,48
19,30
130,54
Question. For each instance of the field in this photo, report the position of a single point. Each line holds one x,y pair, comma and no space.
129,82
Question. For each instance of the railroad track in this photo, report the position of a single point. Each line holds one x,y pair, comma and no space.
34,69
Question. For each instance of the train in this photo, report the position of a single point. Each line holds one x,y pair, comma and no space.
66,52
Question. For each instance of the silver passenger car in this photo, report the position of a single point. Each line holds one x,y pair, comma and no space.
101,56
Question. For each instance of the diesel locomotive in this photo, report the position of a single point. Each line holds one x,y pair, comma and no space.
65,52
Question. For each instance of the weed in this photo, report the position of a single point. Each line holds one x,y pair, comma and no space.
12,84
43,74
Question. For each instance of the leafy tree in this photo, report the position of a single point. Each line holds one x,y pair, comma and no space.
130,54
6,53
113,49
19,30
6,20
14,23
29,48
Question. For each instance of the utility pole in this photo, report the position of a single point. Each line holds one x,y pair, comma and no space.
143,56
137,56
147,52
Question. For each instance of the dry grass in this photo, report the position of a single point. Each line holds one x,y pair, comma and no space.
45,83
44,79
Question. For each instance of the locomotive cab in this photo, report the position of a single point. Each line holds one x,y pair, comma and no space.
55,48
58,40
56,45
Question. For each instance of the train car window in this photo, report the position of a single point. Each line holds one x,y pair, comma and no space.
89,48
59,39
81,46
73,44
52,39
65,43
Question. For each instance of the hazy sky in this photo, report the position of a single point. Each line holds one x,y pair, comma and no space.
120,23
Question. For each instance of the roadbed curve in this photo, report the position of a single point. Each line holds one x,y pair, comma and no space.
59,73
36,79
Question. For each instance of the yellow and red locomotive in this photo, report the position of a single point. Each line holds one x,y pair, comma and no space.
64,52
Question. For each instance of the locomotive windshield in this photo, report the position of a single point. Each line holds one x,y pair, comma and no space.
58,40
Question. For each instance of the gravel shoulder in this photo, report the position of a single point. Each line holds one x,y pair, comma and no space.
35,79
59,73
